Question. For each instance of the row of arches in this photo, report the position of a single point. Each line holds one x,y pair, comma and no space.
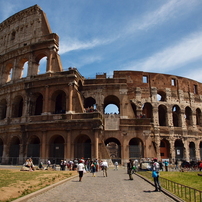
22,68
83,148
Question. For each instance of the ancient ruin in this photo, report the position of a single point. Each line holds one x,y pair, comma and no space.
59,114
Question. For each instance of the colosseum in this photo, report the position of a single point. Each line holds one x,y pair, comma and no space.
58,114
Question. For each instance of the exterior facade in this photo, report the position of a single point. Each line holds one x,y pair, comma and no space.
59,114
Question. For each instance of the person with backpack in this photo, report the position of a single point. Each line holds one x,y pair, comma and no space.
155,174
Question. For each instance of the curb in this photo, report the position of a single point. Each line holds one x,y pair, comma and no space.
25,198
174,197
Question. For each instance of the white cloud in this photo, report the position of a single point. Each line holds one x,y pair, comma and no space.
74,44
173,57
172,9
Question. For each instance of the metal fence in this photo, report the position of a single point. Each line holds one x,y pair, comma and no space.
186,193
182,191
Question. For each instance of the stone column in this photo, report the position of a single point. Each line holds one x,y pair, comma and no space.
69,154
70,97
46,103
49,61
43,147
95,144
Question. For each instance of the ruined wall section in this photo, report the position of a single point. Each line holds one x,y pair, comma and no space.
25,27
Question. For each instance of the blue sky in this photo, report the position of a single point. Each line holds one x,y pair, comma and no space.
101,36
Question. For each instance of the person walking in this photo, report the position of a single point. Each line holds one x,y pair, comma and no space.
80,169
116,165
129,168
93,168
104,167
155,174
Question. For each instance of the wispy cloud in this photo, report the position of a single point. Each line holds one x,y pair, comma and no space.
168,11
74,44
173,57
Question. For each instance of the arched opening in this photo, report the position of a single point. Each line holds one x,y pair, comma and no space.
59,98
112,104
82,147
7,74
56,152
1,149
161,96
33,149
198,117
113,147
90,104
134,107
136,150
42,64
165,149
162,113
176,116
188,116
147,109
17,108
192,151
3,109
14,151
39,105
179,149
25,70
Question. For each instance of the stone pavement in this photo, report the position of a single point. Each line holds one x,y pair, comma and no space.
115,187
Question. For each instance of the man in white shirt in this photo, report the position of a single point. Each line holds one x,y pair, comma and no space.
104,167
80,169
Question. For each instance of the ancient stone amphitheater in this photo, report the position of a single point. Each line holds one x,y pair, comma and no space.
59,114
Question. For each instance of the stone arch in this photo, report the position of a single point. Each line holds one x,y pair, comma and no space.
192,151
7,73
136,148
90,104
176,113
179,149
33,149
112,99
3,109
200,148
41,63
188,116
22,70
82,147
147,109
162,114
161,95
56,148
198,117
134,107
14,151
113,147
36,104
17,106
165,149
1,149
58,102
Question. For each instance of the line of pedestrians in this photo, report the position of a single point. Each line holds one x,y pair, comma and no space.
115,187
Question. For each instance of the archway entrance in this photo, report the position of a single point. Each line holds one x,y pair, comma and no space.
192,151
14,151
56,149
33,149
113,147
136,149
179,149
165,149
82,147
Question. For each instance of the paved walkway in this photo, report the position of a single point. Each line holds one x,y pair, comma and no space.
115,187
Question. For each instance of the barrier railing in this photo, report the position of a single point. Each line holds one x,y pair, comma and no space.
186,193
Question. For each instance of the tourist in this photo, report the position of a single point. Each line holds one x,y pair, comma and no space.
116,165
93,168
80,169
104,168
155,174
129,168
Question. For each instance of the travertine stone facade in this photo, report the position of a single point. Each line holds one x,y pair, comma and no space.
61,115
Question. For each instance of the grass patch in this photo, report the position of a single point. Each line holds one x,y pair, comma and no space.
15,183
